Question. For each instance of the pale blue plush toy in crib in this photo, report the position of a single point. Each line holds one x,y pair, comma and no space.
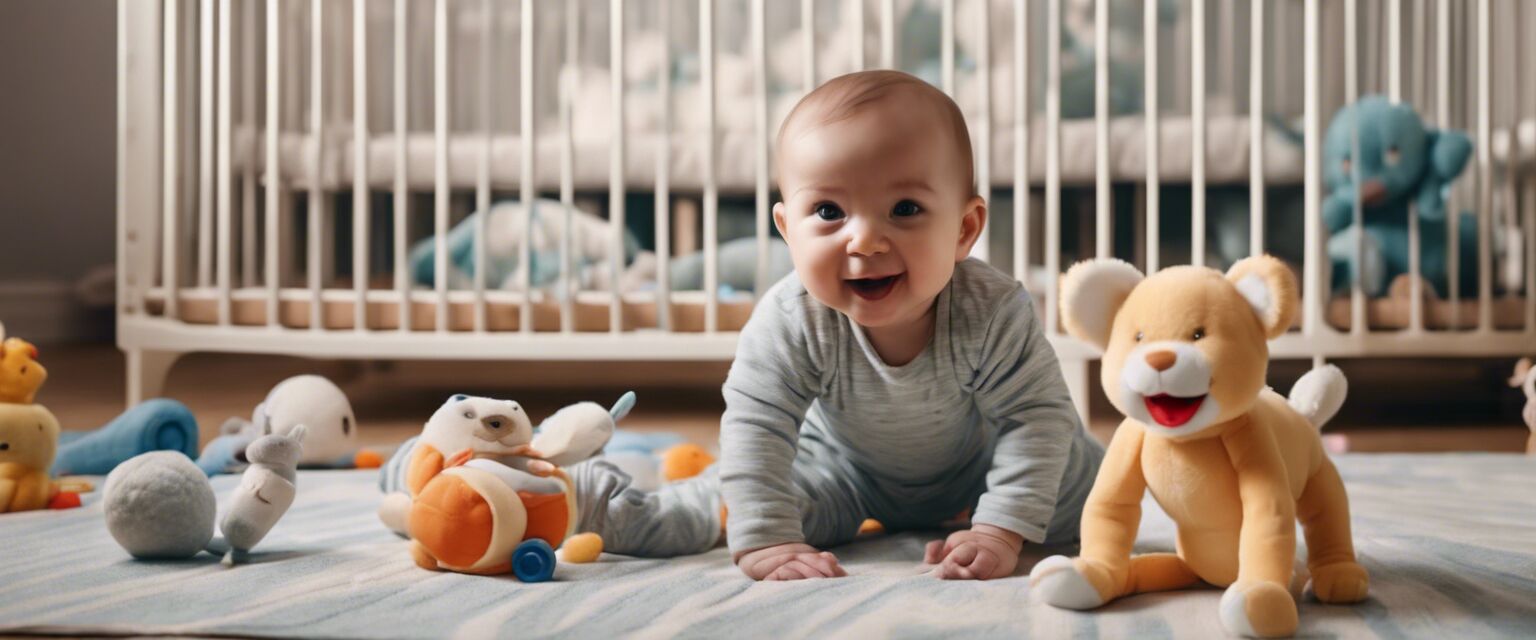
1400,161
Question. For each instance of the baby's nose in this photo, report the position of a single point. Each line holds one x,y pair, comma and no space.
1161,360
866,240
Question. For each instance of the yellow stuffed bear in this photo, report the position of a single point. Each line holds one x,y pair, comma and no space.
1233,463
29,437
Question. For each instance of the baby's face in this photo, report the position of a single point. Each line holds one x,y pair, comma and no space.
875,211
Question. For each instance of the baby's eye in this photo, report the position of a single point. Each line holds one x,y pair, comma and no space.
1198,334
1140,336
1393,156
906,208
828,211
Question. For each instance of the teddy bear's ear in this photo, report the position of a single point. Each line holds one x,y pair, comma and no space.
1270,288
1091,294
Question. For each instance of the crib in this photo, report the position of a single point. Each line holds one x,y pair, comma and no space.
280,162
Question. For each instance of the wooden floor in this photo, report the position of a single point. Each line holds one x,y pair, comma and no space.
1459,405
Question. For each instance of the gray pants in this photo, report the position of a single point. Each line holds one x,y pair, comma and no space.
683,518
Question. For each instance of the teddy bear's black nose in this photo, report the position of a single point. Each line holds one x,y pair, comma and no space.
5,446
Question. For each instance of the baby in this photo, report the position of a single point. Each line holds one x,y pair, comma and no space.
889,377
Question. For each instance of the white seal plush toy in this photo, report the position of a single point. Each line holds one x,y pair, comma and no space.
265,492
316,403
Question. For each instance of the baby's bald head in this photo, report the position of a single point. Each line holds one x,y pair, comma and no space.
851,95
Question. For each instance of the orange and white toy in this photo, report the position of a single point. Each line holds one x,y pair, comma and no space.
481,486
1233,463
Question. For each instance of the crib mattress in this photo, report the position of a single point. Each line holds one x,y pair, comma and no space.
1442,566
1227,157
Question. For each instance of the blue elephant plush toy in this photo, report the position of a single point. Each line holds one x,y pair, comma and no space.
1400,162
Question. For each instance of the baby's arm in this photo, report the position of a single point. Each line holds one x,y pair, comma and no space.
771,385
1019,388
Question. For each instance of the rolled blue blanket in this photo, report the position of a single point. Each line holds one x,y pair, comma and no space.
153,425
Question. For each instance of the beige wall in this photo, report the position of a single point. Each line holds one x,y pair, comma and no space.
57,141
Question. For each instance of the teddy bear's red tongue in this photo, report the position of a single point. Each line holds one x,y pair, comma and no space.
1171,411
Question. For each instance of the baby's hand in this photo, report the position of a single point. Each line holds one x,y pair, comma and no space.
791,561
981,553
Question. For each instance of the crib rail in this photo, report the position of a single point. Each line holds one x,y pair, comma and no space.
259,140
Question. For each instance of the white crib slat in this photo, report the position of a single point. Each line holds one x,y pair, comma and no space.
1052,161
711,194
615,166
1443,114
205,146
1351,96
170,172
224,236
1197,138
1256,128
888,34
248,116
947,48
274,177
361,211
527,194
663,177
317,217
1312,151
1529,179
1154,125
569,157
760,145
1021,141
483,176
130,300
1101,200
1395,81
982,250
857,38
1484,78
440,162
401,196
808,33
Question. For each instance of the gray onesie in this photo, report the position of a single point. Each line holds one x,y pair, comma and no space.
819,433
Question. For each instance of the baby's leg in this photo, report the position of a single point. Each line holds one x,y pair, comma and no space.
680,518
830,510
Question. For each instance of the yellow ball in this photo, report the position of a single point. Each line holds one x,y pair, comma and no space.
581,548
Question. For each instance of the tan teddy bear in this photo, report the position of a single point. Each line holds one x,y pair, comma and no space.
1233,463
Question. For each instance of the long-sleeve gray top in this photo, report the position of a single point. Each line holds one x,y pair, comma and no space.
984,402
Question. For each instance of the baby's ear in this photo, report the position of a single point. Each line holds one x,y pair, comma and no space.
972,221
778,219
1270,289
1092,292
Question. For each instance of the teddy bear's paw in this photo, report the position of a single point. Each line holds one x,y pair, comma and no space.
1340,583
1059,583
1258,610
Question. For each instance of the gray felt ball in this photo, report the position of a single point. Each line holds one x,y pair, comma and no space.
159,505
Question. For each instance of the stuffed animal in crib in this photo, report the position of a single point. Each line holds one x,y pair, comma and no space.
159,505
1233,463
310,400
1401,162
485,495
1525,379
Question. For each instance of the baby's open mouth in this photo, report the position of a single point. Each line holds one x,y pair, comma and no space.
1172,411
874,288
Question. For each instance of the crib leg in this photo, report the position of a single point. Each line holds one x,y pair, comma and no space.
147,370
1076,374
